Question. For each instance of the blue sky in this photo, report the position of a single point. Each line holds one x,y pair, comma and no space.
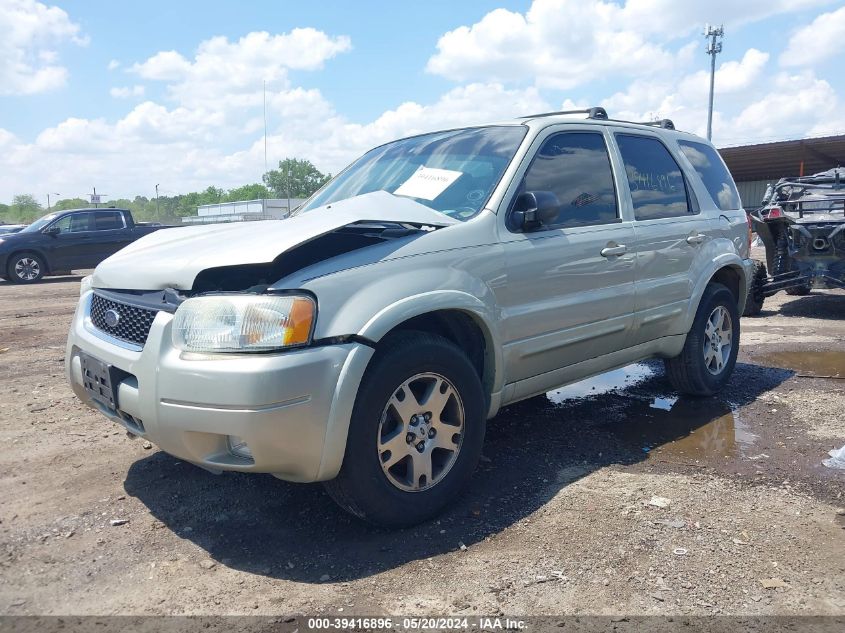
90,92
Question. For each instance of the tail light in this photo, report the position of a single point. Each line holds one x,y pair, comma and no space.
775,212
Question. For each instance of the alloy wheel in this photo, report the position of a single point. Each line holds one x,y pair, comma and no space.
718,340
420,432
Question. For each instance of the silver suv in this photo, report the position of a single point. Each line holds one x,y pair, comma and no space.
365,341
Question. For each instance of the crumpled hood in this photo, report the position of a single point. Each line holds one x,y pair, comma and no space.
172,258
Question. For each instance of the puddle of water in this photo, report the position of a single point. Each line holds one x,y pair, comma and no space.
615,380
667,428
677,429
819,364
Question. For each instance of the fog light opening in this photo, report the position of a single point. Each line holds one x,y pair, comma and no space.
820,243
238,447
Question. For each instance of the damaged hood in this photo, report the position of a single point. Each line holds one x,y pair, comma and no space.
173,258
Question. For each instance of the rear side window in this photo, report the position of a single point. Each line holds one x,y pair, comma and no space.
575,166
715,176
657,183
107,220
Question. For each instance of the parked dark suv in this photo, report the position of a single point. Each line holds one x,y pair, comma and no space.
66,240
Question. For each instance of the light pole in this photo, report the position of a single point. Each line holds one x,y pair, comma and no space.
714,47
288,183
158,217
48,199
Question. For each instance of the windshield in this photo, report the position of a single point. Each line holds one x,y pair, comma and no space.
40,223
452,172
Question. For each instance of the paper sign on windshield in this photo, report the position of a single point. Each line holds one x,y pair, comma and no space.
427,183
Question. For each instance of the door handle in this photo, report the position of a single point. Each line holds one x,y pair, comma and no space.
696,238
613,251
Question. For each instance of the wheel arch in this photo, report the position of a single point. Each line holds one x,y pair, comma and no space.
458,316
727,270
24,251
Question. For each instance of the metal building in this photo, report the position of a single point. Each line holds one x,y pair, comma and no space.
244,211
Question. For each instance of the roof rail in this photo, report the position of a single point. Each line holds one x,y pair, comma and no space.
666,124
592,113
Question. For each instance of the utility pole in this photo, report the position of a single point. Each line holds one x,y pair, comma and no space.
265,126
158,217
288,179
94,197
48,199
714,47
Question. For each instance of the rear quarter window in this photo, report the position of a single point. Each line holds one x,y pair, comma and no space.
711,169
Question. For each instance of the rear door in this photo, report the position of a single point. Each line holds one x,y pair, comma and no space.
109,235
670,233
569,294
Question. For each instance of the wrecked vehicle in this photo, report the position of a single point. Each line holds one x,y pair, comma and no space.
802,226
366,340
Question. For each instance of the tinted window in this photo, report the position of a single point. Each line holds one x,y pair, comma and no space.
74,223
576,168
105,220
709,166
657,183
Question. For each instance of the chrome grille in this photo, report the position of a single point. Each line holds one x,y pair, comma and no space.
133,323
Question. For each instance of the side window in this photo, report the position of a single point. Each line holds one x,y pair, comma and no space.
715,176
107,220
657,183
74,223
575,166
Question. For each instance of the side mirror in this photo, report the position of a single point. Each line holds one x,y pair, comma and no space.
53,231
532,210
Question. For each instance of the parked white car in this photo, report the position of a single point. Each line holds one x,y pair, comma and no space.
366,340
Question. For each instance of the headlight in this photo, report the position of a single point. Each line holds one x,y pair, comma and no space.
243,323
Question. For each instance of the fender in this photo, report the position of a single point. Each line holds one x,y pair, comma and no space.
725,260
400,311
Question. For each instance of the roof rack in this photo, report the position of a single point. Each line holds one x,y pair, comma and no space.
666,124
601,114
592,113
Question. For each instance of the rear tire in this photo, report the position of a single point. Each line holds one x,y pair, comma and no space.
709,355
26,268
755,298
408,456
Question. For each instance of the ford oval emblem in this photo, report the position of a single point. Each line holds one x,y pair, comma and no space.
112,318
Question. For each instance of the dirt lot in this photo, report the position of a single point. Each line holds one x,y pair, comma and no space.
609,497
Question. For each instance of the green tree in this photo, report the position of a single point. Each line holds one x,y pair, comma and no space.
24,208
248,192
70,203
295,178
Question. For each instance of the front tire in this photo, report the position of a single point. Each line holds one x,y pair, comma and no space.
416,432
707,361
26,268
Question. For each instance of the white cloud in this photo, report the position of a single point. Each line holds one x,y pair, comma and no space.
567,43
823,38
221,68
29,33
124,92
113,65
182,148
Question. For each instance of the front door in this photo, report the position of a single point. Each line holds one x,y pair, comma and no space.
68,247
570,290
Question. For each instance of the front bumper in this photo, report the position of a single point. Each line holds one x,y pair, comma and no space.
292,408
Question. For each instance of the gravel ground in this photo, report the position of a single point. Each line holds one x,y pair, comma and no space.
613,496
